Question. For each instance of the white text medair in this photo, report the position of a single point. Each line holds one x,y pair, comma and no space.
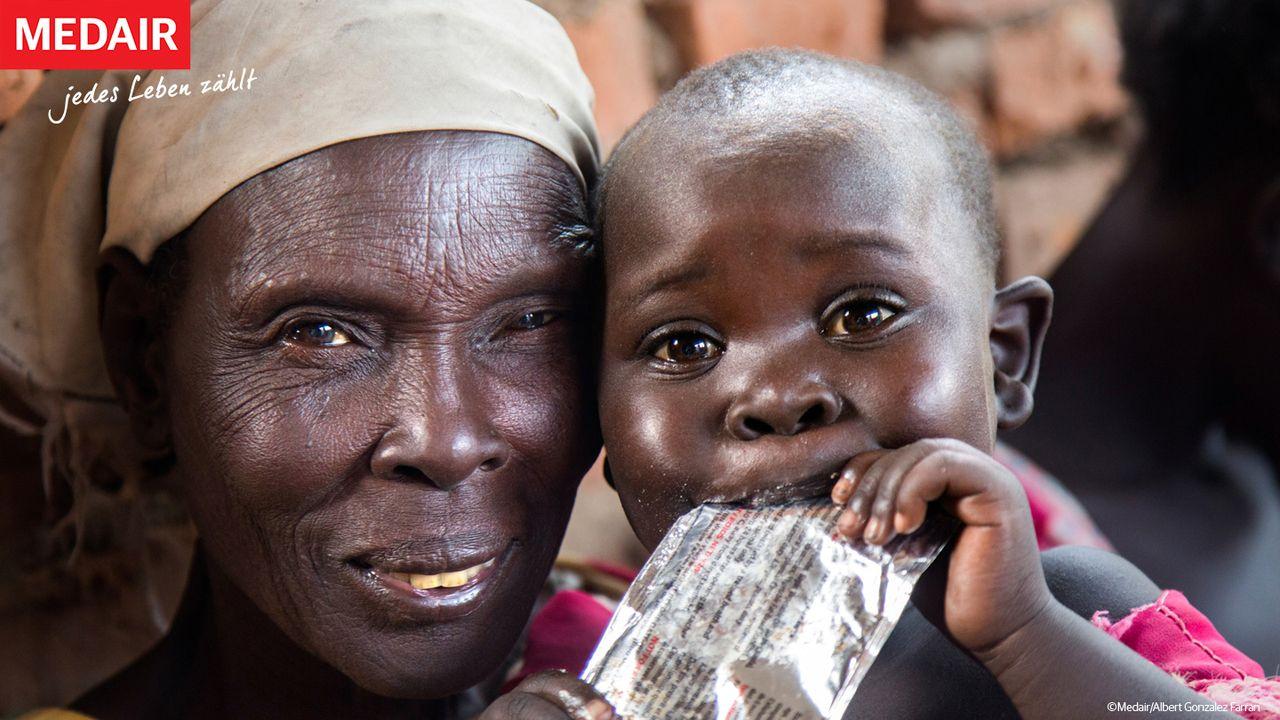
78,34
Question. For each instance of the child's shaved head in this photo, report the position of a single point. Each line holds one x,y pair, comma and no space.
775,100
799,258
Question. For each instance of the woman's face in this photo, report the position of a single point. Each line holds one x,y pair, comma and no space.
378,376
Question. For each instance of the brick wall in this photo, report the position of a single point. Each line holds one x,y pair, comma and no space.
1037,78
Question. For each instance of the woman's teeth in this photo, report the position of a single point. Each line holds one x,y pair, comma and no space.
445,579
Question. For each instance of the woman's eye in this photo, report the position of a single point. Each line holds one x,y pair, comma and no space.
533,320
317,333
687,348
858,317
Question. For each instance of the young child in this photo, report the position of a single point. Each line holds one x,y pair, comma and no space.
800,258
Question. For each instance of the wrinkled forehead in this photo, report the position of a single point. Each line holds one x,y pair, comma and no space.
404,209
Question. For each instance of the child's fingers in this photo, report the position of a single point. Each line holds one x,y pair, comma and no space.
911,512
888,492
864,495
890,471
853,489
910,505
916,492
843,488
851,522
975,489
847,478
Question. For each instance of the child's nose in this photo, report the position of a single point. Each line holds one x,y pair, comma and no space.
775,411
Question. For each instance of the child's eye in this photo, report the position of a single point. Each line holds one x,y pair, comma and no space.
533,320
857,317
316,333
687,347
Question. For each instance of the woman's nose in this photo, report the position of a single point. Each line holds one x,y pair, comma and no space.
771,410
442,451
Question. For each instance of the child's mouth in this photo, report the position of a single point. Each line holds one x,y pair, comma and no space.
782,491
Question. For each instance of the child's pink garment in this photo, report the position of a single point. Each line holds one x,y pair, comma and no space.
562,635
1181,641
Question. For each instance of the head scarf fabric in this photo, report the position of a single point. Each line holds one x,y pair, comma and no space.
135,174
333,71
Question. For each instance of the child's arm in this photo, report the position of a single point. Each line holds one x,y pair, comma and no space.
1060,666
996,605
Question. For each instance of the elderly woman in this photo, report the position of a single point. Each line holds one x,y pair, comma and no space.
345,313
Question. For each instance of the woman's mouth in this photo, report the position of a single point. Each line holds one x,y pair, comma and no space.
450,579
434,586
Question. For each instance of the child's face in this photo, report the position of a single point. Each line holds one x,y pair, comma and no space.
771,315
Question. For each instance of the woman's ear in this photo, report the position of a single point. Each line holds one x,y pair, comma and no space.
130,324
1019,321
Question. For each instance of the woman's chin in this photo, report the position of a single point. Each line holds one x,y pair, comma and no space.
432,670
428,644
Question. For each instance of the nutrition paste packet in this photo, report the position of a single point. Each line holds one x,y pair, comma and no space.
757,613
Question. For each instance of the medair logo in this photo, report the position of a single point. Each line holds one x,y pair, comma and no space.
95,35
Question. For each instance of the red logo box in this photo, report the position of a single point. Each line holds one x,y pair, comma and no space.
95,34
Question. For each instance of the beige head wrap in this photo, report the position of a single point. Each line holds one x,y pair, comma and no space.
134,174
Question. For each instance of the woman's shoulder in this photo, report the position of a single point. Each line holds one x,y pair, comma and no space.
53,714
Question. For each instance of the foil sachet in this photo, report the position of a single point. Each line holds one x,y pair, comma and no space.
757,613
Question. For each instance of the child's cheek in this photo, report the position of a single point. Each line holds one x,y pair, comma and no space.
653,473
648,454
650,510
947,394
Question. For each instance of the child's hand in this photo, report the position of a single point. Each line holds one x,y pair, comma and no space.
552,695
995,584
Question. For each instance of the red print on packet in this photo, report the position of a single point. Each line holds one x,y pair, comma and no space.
95,34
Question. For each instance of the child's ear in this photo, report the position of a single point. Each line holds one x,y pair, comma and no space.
1019,320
